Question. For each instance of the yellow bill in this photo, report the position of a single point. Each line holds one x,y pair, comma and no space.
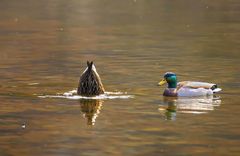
162,82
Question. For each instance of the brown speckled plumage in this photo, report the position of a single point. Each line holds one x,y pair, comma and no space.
90,83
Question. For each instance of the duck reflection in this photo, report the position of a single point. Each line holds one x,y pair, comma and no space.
90,109
169,108
198,105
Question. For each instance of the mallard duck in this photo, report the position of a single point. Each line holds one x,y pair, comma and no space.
90,83
187,88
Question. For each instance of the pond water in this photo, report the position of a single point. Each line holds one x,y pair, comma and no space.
44,46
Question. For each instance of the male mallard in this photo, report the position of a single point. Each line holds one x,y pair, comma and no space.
90,83
187,88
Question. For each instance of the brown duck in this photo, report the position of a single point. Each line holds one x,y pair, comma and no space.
90,83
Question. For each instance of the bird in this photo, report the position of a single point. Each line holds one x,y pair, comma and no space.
90,83
186,88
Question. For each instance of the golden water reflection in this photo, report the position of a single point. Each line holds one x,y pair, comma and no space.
90,109
198,105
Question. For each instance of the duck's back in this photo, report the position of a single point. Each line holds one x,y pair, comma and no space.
195,84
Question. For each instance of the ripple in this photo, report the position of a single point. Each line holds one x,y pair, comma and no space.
73,95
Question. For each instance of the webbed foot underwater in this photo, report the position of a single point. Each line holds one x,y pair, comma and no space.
90,83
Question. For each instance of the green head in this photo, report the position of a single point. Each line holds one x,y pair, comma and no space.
171,79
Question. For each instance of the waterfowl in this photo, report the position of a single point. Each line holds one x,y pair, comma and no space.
90,83
187,88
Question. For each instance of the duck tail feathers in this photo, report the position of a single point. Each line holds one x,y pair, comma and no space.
89,64
216,90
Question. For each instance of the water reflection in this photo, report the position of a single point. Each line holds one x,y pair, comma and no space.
173,105
90,109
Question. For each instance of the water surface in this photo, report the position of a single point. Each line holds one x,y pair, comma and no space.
44,46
